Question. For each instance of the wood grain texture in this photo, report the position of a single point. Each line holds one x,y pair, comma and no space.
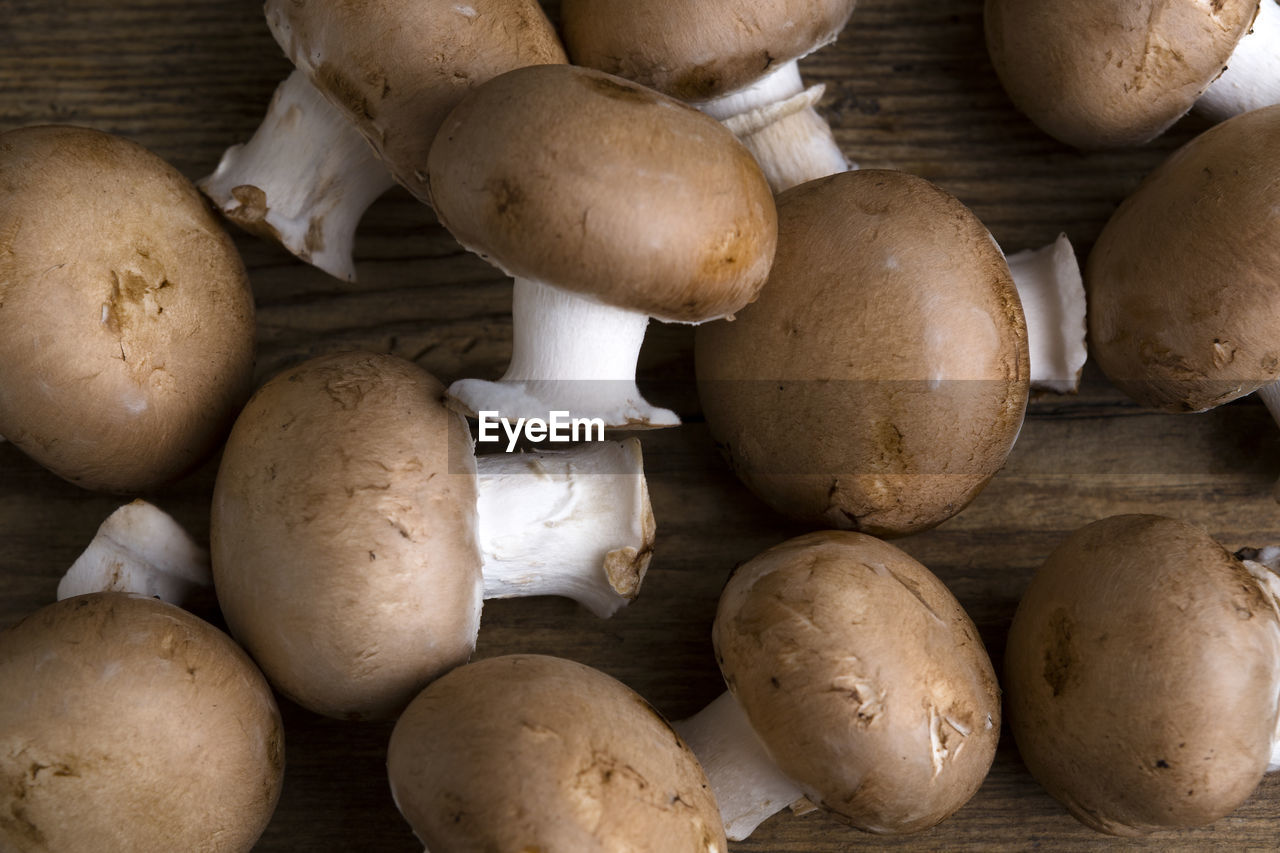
909,87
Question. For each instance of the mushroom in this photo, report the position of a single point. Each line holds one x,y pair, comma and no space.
126,319
1143,675
1183,280
733,59
528,752
855,681
374,80
130,726
347,553
1105,73
880,380
609,203
141,549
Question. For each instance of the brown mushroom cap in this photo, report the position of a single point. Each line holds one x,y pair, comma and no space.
696,50
880,380
396,67
527,752
344,534
599,186
126,320
1184,282
1110,73
1142,671
863,677
130,726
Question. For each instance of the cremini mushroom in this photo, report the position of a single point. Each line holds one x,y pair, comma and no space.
880,380
1184,281
347,553
733,59
126,319
1143,675
374,80
1111,73
130,726
527,752
609,203
141,549
856,681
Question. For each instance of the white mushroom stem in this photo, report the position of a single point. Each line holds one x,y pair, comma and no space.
1052,293
1252,78
776,120
304,179
574,523
1263,564
569,354
140,549
747,784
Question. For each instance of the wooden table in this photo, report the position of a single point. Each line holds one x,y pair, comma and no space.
908,87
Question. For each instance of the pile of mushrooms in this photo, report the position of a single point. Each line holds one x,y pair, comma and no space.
856,681
354,532
374,80
1143,675
124,357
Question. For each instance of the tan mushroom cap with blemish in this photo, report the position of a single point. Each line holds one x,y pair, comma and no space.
126,319
696,50
880,380
130,726
1143,669
528,752
344,534
1111,73
599,186
864,678
396,67
1184,281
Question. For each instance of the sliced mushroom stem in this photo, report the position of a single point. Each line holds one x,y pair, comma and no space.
141,549
1052,293
574,523
1252,77
746,782
569,354
776,120
304,179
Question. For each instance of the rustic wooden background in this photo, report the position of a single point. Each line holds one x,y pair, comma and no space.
908,87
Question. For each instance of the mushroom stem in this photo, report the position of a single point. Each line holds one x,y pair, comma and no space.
575,523
1263,564
569,353
775,119
1052,293
141,549
1252,77
745,780
304,179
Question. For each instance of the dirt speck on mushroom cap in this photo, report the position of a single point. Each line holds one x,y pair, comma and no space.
126,318
1184,281
1142,674
528,752
129,724
863,676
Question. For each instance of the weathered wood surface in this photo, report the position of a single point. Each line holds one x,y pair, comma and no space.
908,86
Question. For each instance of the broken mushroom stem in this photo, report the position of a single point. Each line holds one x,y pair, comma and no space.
304,179
569,353
1264,564
142,550
775,119
574,523
1051,289
746,782
1251,79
